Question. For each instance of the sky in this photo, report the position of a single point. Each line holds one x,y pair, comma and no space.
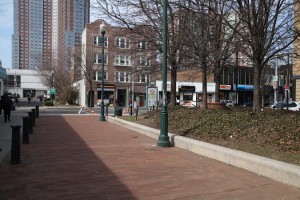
6,31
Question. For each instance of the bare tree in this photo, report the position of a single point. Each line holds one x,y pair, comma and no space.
133,13
209,39
88,59
267,28
58,77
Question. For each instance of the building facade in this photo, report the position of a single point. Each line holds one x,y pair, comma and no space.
128,65
71,17
24,82
44,29
296,67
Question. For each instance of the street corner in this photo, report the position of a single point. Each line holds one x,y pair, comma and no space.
89,110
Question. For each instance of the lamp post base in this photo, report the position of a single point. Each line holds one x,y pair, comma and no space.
102,117
163,140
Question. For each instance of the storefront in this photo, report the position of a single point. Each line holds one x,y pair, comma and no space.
245,93
211,89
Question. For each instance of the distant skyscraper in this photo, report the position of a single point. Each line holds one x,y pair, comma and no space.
72,16
40,25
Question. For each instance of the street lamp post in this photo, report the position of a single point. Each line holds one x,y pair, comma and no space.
276,81
102,117
163,137
52,85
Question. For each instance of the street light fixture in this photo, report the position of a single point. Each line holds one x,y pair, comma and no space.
163,137
102,31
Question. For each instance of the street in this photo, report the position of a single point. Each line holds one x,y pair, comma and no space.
23,107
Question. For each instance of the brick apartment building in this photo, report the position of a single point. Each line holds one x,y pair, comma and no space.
130,64
296,67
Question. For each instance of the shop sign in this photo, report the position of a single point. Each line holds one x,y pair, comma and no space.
225,87
245,87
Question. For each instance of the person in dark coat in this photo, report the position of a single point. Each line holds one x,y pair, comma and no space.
1,103
7,107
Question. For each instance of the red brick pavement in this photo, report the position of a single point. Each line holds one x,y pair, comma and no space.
79,157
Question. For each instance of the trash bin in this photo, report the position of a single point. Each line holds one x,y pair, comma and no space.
118,112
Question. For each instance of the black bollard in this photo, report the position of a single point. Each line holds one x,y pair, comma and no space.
33,117
37,111
136,112
25,130
15,145
30,128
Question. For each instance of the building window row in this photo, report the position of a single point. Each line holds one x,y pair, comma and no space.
120,42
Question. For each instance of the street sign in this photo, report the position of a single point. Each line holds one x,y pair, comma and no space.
53,91
274,78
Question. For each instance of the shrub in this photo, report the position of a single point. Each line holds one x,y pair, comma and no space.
48,103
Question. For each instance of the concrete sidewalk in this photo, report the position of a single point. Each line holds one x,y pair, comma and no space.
78,157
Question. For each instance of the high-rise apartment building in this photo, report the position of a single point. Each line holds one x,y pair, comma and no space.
72,16
40,25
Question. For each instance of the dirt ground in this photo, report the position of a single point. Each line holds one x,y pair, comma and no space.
273,133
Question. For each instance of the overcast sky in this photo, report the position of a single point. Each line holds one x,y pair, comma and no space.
6,31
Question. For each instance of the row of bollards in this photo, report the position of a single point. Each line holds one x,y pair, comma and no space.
28,124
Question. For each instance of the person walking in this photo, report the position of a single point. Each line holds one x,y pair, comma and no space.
1,103
7,107
29,97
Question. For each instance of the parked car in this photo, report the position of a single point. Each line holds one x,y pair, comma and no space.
229,103
294,105
248,104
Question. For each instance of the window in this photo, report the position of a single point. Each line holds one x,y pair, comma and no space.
98,58
123,43
122,60
97,41
98,76
13,80
143,78
143,45
122,76
143,61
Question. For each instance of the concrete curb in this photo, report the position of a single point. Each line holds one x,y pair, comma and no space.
273,169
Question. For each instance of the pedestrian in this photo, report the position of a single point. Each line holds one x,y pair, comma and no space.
1,103
16,99
29,98
7,107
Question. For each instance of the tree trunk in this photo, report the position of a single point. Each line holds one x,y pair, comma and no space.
217,81
204,86
91,94
173,87
256,90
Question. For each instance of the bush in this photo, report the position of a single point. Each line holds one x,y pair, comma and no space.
73,97
48,103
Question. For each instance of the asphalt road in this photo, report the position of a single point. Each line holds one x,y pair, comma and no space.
23,107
